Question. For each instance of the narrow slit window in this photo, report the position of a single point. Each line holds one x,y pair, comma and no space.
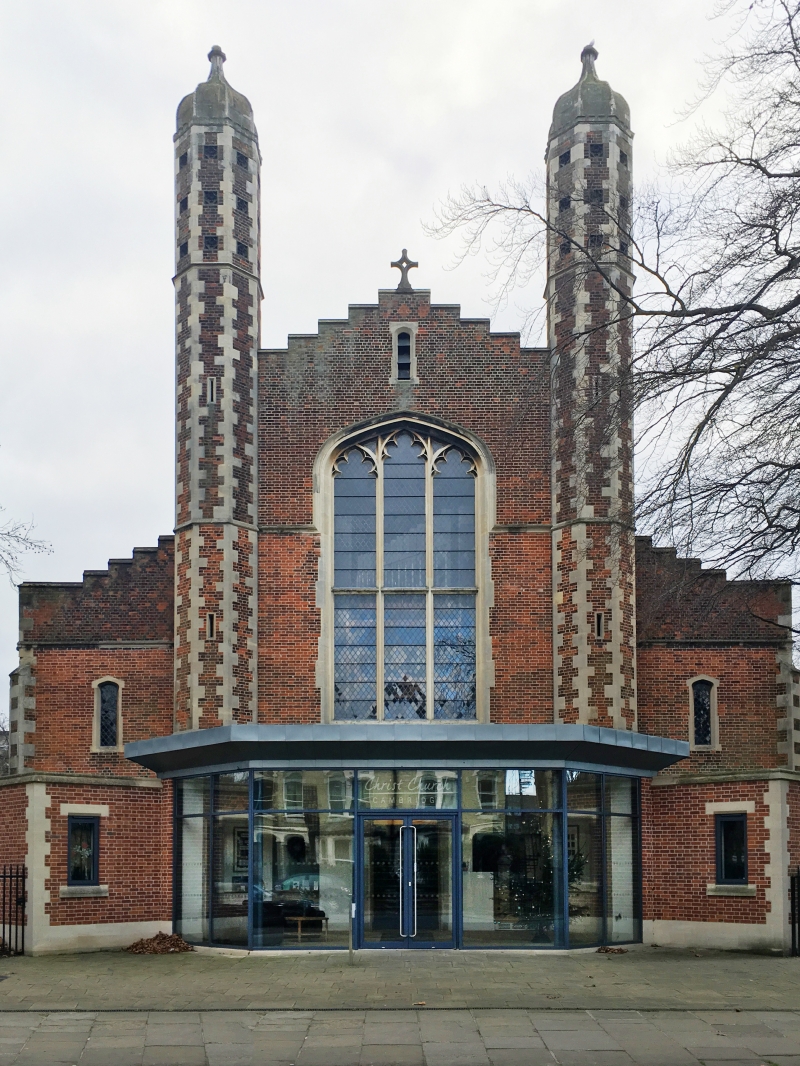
184,159
623,159
211,626
701,709
404,356
211,390
599,626
109,714
184,205
183,251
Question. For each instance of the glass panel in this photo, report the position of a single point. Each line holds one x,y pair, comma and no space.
303,878
407,789
232,792
194,795
584,873
512,879
583,791
230,879
453,543
109,696
621,795
303,789
527,790
404,657
733,849
433,881
701,692
382,840
354,654
622,881
192,875
82,851
404,497
454,657
354,521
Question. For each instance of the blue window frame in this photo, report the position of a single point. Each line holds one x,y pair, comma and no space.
83,836
731,847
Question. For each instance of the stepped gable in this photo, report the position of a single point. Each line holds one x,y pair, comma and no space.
677,600
130,601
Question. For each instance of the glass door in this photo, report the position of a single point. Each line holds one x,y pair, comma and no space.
407,882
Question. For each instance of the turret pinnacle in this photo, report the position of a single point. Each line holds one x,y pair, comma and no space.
589,100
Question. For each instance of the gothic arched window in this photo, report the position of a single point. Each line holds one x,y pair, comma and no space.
404,579
703,718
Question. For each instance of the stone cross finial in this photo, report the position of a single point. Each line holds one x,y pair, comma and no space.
404,264
217,57
588,56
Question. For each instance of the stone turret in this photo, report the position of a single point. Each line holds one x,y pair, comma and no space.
218,293
589,189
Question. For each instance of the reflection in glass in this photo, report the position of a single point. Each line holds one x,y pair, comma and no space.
583,790
232,791
194,795
82,851
622,885
303,877
527,790
454,656
511,878
621,795
382,880
407,789
432,883
191,898
404,651
354,521
584,877
454,521
230,879
303,789
354,656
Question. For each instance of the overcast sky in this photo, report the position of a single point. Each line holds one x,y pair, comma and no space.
368,112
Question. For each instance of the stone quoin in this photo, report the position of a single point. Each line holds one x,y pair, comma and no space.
404,673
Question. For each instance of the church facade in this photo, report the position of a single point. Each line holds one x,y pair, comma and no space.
404,675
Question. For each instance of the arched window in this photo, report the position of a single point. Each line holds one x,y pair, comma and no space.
107,730
703,726
403,356
404,579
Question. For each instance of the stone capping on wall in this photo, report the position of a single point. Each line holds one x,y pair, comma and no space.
37,777
672,780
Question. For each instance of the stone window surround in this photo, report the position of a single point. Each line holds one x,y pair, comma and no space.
96,749
410,328
91,810
728,807
715,742
485,519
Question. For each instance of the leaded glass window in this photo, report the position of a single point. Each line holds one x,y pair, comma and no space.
701,700
109,708
404,580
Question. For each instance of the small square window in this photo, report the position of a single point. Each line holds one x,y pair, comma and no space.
564,203
564,158
241,160
183,160
596,151
183,250
210,151
595,197
242,250
623,159
595,240
242,205
184,204
731,833
210,196
82,848
623,247
564,248
210,243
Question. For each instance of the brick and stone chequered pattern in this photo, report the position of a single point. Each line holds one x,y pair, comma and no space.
470,378
218,299
592,451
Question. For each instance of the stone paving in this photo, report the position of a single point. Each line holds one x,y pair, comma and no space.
648,1007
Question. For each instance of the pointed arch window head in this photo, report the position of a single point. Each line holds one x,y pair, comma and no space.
404,584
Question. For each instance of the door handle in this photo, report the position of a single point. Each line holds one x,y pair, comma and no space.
401,882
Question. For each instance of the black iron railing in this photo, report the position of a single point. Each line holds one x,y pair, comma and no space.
794,912
12,910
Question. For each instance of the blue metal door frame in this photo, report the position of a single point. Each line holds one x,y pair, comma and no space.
407,882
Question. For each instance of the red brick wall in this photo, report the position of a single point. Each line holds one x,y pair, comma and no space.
65,705
14,806
135,855
679,854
